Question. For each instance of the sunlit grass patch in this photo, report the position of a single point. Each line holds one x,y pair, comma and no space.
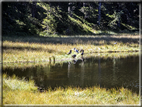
15,84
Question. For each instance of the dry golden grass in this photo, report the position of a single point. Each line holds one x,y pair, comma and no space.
26,52
94,95
23,92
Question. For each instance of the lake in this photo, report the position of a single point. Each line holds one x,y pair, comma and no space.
93,71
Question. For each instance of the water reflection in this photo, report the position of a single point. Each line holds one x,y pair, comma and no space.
93,71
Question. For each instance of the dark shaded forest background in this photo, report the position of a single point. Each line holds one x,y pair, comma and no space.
68,18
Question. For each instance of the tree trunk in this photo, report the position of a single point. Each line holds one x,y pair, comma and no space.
118,24
33,9
70,9
84,5
79,5
99,12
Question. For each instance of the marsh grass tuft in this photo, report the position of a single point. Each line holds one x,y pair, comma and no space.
14,83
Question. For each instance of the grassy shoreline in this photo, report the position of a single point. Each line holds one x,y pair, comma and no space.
25,92
62,59
36,49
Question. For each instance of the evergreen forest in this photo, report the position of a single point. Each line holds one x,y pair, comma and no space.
69,18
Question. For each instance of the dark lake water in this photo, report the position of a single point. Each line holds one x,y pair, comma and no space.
93,71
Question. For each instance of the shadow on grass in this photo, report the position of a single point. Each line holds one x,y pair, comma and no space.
79,39
27,48
31,49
